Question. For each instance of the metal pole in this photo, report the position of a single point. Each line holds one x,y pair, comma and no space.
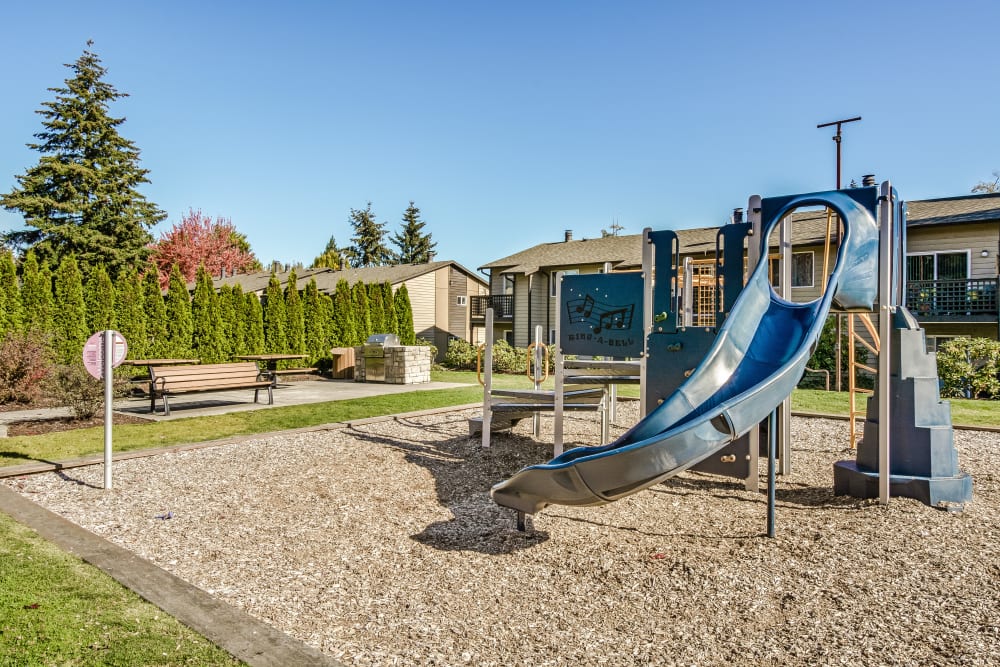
109,352
772,452
885,343
837,139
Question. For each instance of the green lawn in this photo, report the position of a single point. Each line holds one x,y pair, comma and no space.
57,610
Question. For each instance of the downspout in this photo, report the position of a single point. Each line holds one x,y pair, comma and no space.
530,291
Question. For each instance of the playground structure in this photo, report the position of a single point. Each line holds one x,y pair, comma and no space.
712,388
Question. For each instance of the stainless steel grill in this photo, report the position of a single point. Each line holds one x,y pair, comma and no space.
373,352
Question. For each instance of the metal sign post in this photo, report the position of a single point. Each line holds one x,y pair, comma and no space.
102,352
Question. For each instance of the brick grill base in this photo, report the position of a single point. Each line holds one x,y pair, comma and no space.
408,364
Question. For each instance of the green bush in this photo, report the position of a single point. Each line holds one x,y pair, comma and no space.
77,389
25,364
969,368
460,356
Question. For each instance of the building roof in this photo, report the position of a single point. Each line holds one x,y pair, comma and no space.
394,275
953,210
809,228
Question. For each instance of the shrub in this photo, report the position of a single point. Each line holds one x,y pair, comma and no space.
969,368
461,355
75,388
24,366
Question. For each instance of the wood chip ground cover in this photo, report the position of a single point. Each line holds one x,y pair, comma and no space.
379,545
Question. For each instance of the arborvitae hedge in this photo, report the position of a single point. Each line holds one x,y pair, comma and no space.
179,325
362,312
130,314
275,318
70,329
315,325
10,295
345,324
100,298
404,316
36,297
206,322
157,342
295,329
254,315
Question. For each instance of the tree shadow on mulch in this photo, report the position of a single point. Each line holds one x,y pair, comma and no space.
463,473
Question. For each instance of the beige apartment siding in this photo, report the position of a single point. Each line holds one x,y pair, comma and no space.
522,285
955,238
421,290
458,315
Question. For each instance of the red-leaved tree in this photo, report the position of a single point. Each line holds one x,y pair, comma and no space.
197,240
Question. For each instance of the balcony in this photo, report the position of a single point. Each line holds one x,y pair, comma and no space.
953,300
502,305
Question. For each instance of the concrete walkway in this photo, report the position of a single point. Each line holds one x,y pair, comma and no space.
242,635
222,402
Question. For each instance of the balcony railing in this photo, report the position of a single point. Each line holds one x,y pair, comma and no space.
502,305
953,299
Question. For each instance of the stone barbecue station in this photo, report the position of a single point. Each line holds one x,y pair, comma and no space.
383,359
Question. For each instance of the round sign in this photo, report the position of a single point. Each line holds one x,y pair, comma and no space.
93,353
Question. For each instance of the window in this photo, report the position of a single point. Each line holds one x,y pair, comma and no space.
460,300
802,269
952,265
508,336
552,336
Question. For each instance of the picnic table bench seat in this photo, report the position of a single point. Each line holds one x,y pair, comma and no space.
168,381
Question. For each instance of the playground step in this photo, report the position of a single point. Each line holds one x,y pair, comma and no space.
503,423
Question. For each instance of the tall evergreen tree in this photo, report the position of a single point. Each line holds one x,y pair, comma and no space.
100,299
295,329
275,318
345,324
229,333
331,258
315,326
206,321
36,297
404,315
368,247
388,299
415,247
70,330
331,338
157,339
255,324
376,308
362,311
82,196
10,295
238,334
179,325
130,314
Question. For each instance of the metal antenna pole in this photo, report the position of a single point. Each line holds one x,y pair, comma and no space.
837,139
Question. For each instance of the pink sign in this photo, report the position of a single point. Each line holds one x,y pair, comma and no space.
93,353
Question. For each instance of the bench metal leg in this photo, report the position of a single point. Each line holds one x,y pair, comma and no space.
166,406
270,395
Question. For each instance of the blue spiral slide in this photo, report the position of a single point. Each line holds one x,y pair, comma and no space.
756,360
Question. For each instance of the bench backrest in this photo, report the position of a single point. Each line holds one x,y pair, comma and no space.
205,375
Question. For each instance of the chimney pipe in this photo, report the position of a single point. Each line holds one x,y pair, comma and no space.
868,180
569,235
737,215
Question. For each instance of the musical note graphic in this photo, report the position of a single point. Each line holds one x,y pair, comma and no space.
587,307
600,316
619,318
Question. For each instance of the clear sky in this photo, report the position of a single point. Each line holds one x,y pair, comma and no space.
510,122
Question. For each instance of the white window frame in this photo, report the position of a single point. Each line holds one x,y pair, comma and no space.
812,274
552,279
461,300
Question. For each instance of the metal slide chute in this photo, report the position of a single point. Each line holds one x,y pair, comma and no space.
754,363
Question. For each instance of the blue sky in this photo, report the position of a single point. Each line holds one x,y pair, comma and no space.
508,123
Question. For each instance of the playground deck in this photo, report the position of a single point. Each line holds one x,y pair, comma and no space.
379,544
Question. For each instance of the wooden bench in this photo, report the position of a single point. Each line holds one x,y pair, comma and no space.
171,380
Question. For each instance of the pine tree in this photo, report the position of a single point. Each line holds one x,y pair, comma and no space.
404,314
254,315
100,299
81,197
415,247
70,328
275,318
10,295
369,247
36,297
391,320
315,327
376,308
206,321
345,324
130,313
178,317
331,258
295,330
157,339
362,311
